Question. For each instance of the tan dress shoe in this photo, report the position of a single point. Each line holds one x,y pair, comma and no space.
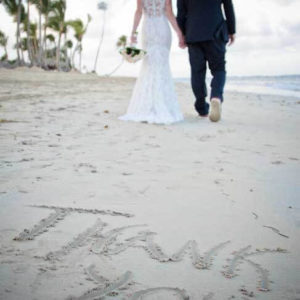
215,110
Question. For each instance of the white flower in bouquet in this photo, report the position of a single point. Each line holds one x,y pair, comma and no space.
132,54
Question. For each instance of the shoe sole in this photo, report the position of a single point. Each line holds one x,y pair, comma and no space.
215,110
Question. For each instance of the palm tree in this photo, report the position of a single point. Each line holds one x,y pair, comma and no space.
102,5
57,23
3,43
34,47
23,46
121,43
39,6
50,37
43,8
52,12
20,6
65,58
46,9
26,24
68,45
15,8
50,53
80,30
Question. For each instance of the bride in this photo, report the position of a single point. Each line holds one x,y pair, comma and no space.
154,99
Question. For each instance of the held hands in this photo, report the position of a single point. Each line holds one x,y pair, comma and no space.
231,39
182,43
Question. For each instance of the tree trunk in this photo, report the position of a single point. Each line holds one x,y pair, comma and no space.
101,41
80,58
40,36
22,55
45,38
73,56
45,32
28,34
35,50
58,51
5,51
116,69
66,48
18,30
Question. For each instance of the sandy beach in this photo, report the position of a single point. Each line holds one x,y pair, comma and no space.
97,208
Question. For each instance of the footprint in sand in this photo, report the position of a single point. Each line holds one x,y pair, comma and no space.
205,138
209,296
277,162
58,109
28,143
26,159
293,158
87,167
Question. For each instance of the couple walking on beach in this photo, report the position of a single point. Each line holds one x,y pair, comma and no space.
200,26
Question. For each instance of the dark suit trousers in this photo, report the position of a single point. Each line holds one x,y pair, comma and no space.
213,54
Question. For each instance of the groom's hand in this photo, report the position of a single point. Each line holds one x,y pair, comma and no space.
231,39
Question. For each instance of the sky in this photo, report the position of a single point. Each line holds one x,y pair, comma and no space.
268,37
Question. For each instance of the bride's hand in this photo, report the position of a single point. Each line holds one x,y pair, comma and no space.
182,43
133,38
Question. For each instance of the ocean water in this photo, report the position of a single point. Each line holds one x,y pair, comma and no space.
288,85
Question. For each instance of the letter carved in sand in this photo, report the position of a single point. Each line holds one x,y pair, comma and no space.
108,243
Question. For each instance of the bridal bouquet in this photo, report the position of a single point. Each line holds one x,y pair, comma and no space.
132,54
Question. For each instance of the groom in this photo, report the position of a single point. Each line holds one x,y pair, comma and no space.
206,35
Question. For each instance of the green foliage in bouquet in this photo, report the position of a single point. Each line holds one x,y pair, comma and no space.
129,50
132,51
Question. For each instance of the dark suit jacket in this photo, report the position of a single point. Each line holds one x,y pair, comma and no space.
203,20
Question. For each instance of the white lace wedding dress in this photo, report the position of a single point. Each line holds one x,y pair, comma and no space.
154,99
